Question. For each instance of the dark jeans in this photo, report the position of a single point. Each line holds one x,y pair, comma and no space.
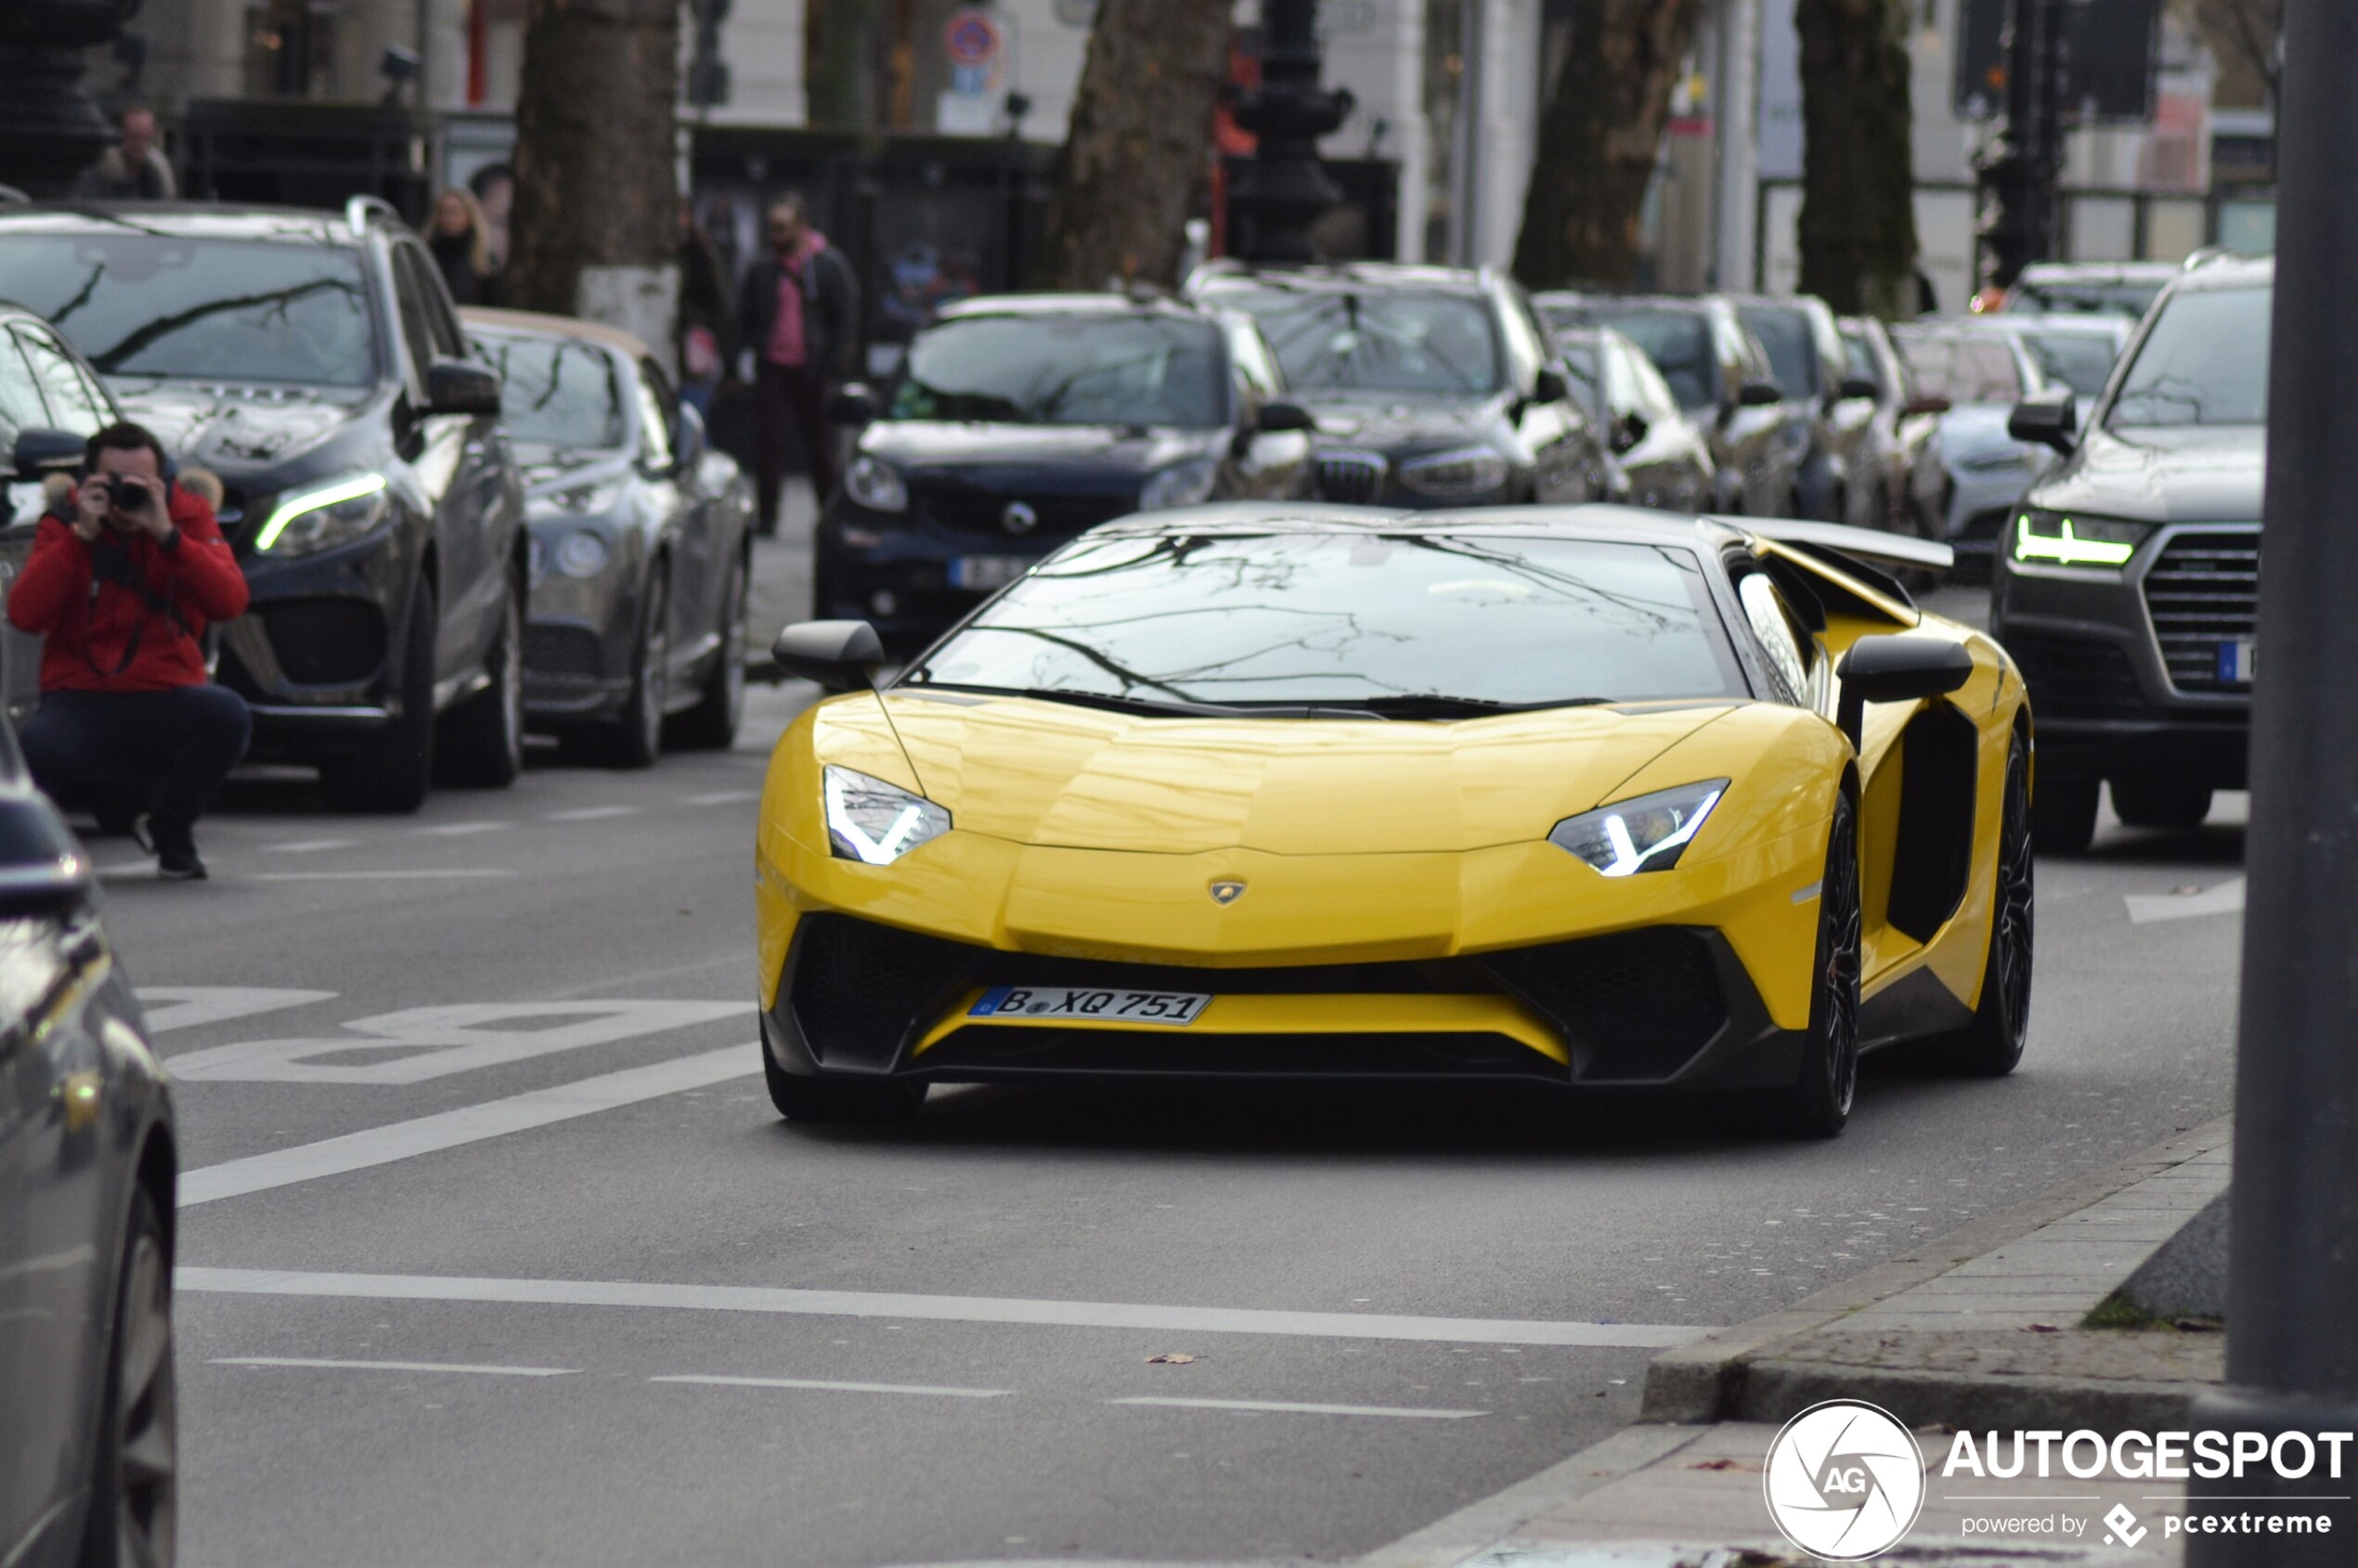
173,747
796,395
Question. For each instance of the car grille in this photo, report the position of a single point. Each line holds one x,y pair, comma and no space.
859,988
2204,590
2074,677
981,512
1351,478
561,650
1637,1005
326,642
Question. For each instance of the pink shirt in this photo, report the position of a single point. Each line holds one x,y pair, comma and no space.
786,346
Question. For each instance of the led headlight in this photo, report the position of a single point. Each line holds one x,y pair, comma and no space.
331,514
1183,484
872,821
1647,833
2040,534
582,553
1463,474
876,485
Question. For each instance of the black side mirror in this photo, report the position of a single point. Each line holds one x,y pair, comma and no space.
1628,430
1758,394
2048,419
42,450
839,656
853,404
1896,670
1857,386
1549,386
462,386
1276,418
1930,403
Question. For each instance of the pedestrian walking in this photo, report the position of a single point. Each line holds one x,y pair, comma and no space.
133,169
128,569
798,315
461,239
704,313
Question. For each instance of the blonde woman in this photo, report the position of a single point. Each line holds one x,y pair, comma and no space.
461,239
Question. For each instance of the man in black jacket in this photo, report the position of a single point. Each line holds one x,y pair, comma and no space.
798,312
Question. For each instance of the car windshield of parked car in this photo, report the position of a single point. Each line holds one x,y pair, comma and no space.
556,392
1678,341
1785,335
1380,341
1960,368
1857,359
2205,361
154,304
1364,619
2082,297
1585,375
2080,360
1112,370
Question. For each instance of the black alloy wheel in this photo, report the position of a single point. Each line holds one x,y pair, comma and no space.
839,1100
481,740
2063,815
712,724
1992,1045
390,772
1818,1103
135,1480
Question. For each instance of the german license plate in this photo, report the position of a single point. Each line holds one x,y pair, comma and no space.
2238,661
1178,1008
984,573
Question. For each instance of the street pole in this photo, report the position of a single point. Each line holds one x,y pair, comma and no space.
2292,1306
1284,189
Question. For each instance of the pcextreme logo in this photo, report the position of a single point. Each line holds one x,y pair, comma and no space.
1845,1480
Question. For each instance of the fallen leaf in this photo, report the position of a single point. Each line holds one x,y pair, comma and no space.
1170,1358
1720,1464
2044,1328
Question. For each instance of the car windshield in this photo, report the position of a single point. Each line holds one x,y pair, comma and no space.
2078,296
152,304
1784,334
1116,369
2080,360
1960,368
556,392
2205,361
1342,340
1859,359
1337,618
1678,341
1584,376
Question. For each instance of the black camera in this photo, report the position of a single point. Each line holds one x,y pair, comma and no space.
124,496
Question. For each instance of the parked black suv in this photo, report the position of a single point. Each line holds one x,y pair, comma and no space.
313,362
2127,586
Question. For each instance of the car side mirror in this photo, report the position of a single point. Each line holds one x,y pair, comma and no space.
1276,418
1857,386
42,450
1896,670
853,404
839,656
688,440
462,386
2046,419
1628,430
1758,394
1928,404
1549,386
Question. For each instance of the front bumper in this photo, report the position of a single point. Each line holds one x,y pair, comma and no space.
580,640
313,656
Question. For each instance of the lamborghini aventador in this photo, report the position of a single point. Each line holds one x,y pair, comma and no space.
1580,796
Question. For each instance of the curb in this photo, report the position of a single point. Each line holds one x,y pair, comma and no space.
1734,1374
1479,1525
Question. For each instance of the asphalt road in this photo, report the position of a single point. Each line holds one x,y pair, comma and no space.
495,1253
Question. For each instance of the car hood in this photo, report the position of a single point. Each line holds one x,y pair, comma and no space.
1030,458
548,469
1050,773
2191,474
1396,425
1977,430
239,429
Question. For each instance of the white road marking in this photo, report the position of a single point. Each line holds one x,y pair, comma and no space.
185,1007
394,1365
124,869
374,876
461,830
837,1388
2225,899
312,845
592,813
468,1124
1408,1412
722,797
440,1040
900,1307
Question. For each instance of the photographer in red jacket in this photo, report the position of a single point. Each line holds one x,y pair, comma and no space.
126,570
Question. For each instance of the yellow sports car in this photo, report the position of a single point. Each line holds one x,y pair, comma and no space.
1575,795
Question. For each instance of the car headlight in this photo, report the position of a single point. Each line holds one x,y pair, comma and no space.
2062,540
1462,474
1183,484
331,514
876,485
871,821
1647,833
582,553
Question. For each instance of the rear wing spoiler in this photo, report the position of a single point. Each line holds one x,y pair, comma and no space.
1887,551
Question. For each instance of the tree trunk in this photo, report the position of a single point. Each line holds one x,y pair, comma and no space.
1140,145
1599,138
1858,164
594,231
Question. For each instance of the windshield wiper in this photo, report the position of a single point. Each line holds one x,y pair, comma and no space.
1173,708
1435,705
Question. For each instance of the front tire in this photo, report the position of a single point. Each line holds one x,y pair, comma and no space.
390,773
1818,1105
1992,1045
135,1478
839,1100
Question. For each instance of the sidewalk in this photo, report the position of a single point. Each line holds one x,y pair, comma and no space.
1983,1330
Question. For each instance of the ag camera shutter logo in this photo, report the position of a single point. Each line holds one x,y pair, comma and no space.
1845,1480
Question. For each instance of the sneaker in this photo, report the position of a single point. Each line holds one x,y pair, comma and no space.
176,850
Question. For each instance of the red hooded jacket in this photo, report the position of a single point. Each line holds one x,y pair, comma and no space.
104,636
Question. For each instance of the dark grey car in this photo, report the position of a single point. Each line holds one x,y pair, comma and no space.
640,542
2128,581
88,1447
1830,413
1656,457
